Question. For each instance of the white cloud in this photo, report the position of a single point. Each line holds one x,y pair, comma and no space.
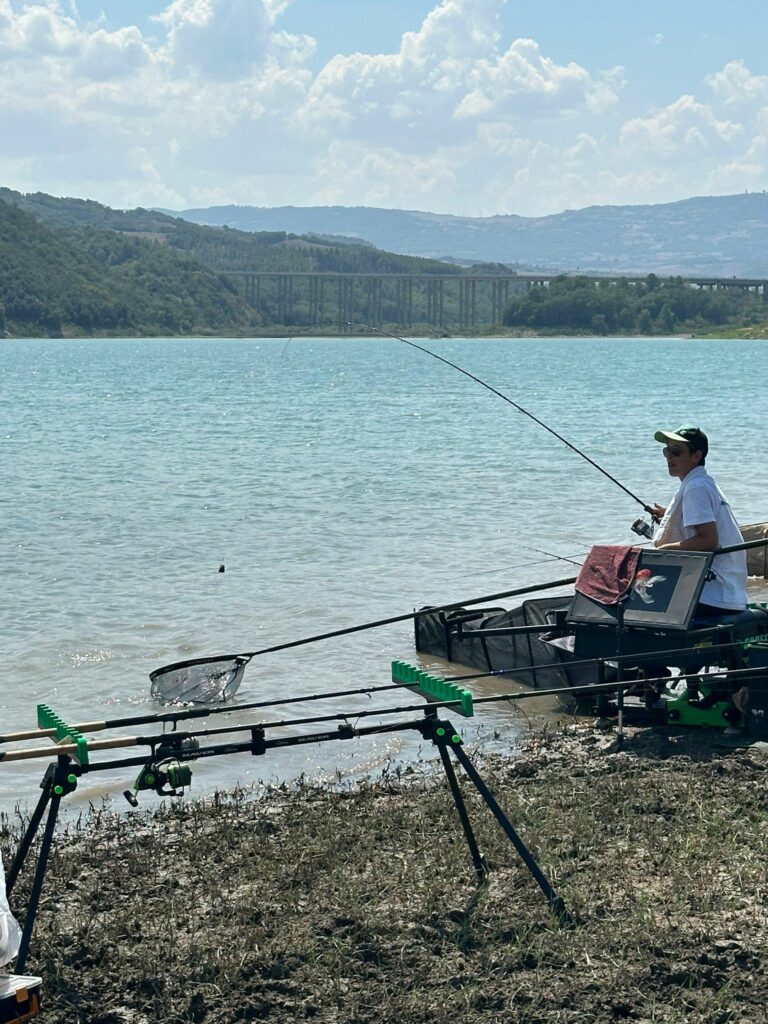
684,129
106,55
455,30
117,110
37,30
748,167
735,84
222,40
52,42
354,174
228,39
446,81
522,80
219,104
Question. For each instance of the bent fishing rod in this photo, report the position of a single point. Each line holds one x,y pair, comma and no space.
174,683
516,405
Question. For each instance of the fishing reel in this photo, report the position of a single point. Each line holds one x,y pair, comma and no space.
167,776
643,529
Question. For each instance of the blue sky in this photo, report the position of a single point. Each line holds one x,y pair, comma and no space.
473,107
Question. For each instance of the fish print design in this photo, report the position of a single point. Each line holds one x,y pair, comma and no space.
643,583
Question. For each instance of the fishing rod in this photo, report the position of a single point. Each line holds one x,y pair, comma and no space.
185,714
516,405
167,771
560,558
216,677
183,742
208,678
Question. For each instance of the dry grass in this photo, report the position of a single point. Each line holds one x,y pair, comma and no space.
361,906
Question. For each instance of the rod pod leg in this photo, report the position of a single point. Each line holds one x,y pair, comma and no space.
37,884
555,902
478,860
31,831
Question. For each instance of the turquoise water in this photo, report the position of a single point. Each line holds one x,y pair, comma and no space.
339,482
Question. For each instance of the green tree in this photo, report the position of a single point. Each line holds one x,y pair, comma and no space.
644,322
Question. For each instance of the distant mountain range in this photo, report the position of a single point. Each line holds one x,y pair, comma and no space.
721,236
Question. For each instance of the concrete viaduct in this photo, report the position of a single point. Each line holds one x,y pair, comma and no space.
456,300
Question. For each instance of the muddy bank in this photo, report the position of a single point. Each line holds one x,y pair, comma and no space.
361,905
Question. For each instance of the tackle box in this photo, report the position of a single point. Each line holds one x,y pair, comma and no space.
19,997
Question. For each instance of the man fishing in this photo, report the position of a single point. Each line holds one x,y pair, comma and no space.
699,518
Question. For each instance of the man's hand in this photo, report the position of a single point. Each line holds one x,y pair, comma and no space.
659,511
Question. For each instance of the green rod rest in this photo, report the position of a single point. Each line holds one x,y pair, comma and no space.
433,688
48,719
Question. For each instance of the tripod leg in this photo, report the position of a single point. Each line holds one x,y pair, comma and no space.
481,869
37,884
29,835
555,902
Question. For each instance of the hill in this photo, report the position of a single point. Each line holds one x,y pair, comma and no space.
720,236
221,248
86,281
73,266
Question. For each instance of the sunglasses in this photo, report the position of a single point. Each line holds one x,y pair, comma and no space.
672,451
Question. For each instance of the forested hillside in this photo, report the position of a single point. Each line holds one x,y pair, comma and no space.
73,266
88,281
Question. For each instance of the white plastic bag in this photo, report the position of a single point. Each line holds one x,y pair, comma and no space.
10,932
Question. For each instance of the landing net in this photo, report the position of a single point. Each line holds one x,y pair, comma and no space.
201,681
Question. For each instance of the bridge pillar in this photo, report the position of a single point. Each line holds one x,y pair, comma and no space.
401,302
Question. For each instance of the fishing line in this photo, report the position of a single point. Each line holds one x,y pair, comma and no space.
516,405
285,346
199,680
518,565
558,558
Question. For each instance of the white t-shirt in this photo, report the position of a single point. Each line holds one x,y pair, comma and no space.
699,500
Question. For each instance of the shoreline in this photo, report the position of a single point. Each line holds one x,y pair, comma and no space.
423,331
358,903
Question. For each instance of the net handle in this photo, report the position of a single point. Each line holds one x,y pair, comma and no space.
246,656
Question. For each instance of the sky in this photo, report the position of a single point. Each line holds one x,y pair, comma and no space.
467,107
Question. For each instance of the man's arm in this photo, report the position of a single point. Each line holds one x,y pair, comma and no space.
706,538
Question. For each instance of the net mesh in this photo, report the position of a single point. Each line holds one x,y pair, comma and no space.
198,682
435,634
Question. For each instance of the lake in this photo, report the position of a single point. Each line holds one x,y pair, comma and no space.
338,481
